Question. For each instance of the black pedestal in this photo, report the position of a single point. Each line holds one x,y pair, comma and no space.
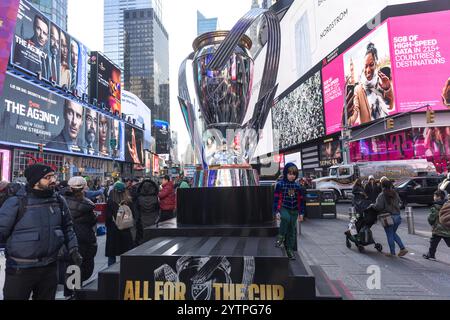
225,206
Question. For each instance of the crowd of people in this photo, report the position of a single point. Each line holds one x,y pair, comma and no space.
46,225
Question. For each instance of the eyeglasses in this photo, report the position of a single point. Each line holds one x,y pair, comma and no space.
50,177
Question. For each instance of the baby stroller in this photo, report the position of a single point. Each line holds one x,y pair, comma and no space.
359,230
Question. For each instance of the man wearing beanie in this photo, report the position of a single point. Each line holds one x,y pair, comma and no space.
35,224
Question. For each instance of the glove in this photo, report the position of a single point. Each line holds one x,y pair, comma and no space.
76,257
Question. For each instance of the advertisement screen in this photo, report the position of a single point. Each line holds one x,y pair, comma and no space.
330,153
31,48
8,16
108,83
397,68
134,150
421,60
162,136
298,117
30,116
133,107
418,143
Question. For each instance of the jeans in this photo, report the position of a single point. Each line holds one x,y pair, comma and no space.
392,236
288,227
434,242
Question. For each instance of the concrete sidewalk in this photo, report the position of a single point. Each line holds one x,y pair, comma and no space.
410,277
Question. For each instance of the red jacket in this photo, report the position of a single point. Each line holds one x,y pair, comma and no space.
167,200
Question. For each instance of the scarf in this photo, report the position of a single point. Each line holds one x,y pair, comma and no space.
378,107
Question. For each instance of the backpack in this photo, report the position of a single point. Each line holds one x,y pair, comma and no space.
444,215
124,219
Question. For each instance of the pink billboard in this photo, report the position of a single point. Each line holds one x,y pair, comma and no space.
401,65
420,46
8,16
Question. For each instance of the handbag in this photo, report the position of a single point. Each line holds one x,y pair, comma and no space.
386,220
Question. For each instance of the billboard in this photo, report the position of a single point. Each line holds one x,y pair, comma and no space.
398,67
298,117
432,143
134,107
134,150
41,47
330,153
105,82
30,115
8,16
162,136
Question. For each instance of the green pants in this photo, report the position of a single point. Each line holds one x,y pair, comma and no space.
288,228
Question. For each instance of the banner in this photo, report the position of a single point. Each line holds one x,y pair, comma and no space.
298,117
134,149
8,16
30,115
133,107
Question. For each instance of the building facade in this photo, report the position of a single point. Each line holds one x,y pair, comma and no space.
55,10
205,24
114,24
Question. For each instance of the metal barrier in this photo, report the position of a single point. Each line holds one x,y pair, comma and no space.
410,220
351,212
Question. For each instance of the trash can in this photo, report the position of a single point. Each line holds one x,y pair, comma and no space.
312,204
328,204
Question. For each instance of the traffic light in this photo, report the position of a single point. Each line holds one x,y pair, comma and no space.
390,123
41,148
430,116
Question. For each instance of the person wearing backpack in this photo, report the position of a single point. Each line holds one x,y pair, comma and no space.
34,225
118,240
440,230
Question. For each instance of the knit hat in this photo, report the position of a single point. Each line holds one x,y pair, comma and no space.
119,186
36,172
77,182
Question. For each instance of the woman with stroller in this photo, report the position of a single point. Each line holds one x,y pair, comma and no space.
389,202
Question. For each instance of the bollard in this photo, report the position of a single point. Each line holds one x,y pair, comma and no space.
410,220
351,212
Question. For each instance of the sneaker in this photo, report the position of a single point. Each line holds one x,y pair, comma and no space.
279,243
390,255
402,252
429,257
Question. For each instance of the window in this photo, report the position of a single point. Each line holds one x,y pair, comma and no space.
432,183
344,171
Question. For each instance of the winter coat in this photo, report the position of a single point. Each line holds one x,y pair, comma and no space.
39,235
433,219
167,200
359,199
372,191
117,241
382,205
147,204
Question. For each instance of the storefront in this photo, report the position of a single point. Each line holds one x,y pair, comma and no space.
23,158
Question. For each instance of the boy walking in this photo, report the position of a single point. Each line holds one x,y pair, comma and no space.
289,205
439,231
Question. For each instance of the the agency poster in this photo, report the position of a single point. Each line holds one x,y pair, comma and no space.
91,134
298,117
31,45
8,16
118,139
420,47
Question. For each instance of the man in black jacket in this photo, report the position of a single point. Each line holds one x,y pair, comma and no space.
34,225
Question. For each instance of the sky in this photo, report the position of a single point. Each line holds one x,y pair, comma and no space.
180,20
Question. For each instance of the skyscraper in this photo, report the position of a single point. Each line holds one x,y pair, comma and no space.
146,61
114,24
55,10
205,24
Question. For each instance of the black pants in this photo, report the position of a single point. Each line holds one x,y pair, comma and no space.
20,283
434,242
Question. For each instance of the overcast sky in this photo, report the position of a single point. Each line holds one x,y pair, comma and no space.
85,23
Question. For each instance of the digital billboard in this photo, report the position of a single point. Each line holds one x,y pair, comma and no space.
399,67
8,16
298,117
161,133
105,82
41,47
30,115
134,149
330,153
133,107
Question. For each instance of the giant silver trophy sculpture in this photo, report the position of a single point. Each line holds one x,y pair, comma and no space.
223,76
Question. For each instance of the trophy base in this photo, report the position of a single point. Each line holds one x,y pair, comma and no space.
226,176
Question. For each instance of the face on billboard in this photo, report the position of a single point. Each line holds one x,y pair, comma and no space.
103,125
73,116
54,40
40,31
64,49
74,54
91,129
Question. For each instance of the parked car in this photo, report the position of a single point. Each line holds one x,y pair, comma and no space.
417,189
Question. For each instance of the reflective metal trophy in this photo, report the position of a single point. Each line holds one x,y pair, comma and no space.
222,77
